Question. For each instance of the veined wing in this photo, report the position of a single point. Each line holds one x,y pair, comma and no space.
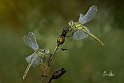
37,60
31,60
81,18
79,34
30,40
88,16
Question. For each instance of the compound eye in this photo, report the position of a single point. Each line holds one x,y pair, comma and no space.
71,23
46,51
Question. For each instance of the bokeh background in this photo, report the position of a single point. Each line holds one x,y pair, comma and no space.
84,61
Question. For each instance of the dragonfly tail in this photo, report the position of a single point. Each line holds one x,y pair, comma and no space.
28,67
51,57
26,71
93,36
97,39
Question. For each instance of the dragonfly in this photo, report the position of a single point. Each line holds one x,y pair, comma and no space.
78,30
39,55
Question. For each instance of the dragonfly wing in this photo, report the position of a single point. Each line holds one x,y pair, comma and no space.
30,40
37,60
79,34
89,15
28,67
81,18
32,60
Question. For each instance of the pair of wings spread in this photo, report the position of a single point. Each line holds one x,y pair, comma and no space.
79,34
33,59
30,39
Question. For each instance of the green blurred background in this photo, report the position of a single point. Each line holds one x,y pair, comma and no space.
84,61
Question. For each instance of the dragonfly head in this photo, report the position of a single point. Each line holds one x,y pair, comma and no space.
71,23
46,51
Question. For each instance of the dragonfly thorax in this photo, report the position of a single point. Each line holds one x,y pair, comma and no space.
77,25
41,53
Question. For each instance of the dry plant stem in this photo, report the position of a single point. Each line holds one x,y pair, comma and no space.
50,60
50,80
51,57
44,75
44,72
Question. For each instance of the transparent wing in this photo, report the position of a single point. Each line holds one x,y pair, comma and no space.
81,18
89,15
30,40
79,34
32,60
37,60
